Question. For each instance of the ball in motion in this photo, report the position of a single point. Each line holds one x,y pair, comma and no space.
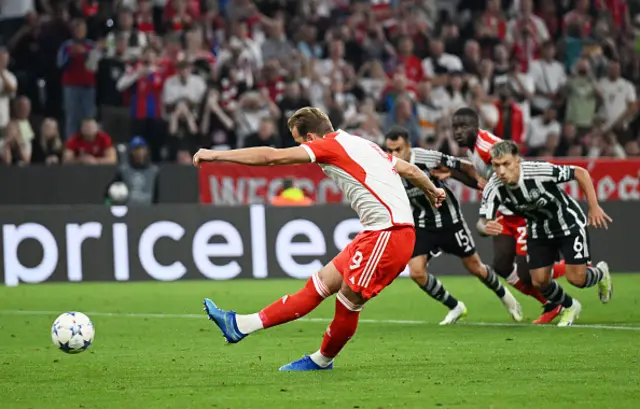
72,332
118,193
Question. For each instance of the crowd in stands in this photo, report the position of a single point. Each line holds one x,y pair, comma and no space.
559,77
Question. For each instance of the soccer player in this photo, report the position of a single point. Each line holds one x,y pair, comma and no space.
444,228
510,247
555,222
370,179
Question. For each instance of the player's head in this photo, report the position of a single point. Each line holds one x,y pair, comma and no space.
397,143
308,123
465,123
505,160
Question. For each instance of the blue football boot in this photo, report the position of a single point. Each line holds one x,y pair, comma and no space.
225,320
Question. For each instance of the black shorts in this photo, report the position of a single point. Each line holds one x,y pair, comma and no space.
574,249
456,240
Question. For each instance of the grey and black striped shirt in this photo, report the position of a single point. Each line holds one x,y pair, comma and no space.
549,210
425,216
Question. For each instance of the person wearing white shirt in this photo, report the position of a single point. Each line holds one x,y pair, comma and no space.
542,128
536,25
548,77
619,98
437,68
523,88
8,88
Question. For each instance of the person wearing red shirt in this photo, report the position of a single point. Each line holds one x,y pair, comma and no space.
78,81
90,146
580,16
412,64
510,124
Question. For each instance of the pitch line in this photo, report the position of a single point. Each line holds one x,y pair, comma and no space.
325,320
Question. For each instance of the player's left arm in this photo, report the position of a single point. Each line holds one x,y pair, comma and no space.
488,224
597,217
421,180
261,156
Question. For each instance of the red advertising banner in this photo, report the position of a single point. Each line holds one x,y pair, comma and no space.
227,184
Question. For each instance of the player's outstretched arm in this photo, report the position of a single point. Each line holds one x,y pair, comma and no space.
262,156
421,180
489,227
469,176
597,217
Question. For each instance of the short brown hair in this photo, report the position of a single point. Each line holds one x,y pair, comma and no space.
310,120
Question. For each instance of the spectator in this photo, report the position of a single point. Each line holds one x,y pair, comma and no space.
308,44
265,136
632,149
78,82
403,116
8,88
369,128
181,97
144,17
13,149
619,99
405,57
487,111
276,46
568,141
580,17
247,48
47,147
89,146
399,86
604,144
372,79
290,103
272,82
523,89
27,62
541,129
179,14
139,174
197,53
510,124
472,57
291,196
136,41
253,107
143,82
582,96
456,92
549,14
532,24
492,27
111,67
22,110
13,16
217,125
548,77
440,64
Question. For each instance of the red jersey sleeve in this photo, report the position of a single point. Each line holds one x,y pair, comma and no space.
484,142
105,140
325,150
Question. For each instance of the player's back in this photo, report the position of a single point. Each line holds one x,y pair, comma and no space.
367,177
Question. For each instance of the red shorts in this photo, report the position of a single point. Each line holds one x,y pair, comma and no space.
375,258
516,227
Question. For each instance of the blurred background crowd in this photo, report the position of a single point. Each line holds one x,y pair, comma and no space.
83,80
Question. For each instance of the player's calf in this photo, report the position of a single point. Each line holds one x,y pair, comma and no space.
430,283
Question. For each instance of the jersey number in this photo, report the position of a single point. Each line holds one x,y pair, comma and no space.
522,237
356,260
463,240
578,247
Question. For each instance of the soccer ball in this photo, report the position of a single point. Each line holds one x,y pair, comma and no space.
118,193
72,332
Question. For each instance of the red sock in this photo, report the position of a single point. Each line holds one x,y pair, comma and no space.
559,269
292,307
342,328
530,291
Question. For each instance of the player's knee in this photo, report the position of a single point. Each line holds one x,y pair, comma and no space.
540,281
576,275
417,274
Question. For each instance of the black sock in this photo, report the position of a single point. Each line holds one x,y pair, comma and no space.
437,291
554,293
593,277
493,282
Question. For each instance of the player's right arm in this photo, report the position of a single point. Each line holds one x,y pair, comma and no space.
416,176
488,224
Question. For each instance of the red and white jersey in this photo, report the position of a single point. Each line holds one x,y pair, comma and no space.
366,175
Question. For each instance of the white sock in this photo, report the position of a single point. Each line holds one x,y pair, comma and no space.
320,359
249,323
513,277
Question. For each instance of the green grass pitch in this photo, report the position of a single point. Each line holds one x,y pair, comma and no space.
157,350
